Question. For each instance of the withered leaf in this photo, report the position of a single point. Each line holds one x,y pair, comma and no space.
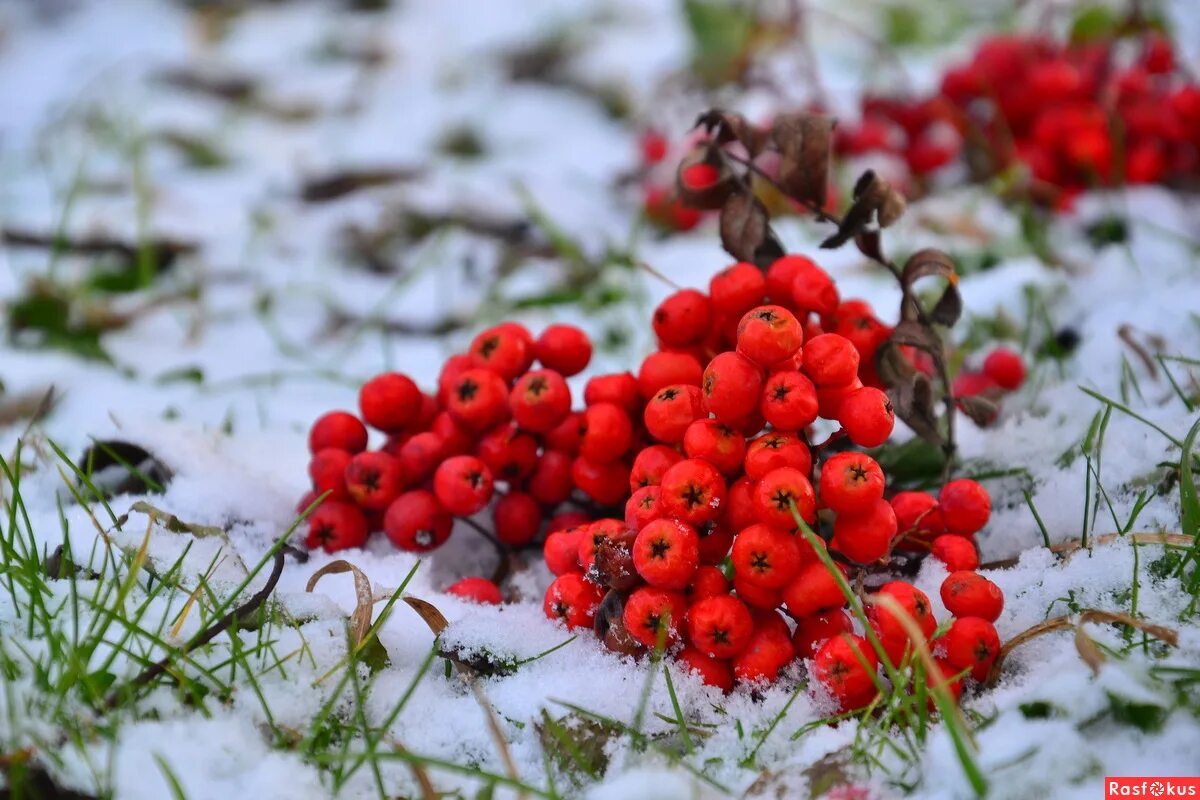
914,334
892,366
875,201
1088,650
912,402
729,126
804,141
743,226
948,308
360,619
924,263
981,410
870,244
429,612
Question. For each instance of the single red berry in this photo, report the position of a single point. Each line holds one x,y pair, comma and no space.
716,443
607,433
390,402
374,480
607,483
738,513
561,550
420,455
855,320
789,401
830,398
463,485
540,400
765,557
671,411
666,553
946,677
812,631
692,491
768,651
720,626
451,371
777,493
655,615
969,594
1005,367
971,643
771,451
506,349
768,335
830,360
653,145
683,318
339,430
551,482
715,540
917,515
642,507
594,536
479,400
755,596
699,176
564,349
780,277
731,385
851,482
650,464
973,384
663,369
845,665
417,522
478,590
865,535
328,473
620,388
892,632
867,417
708,581
965,506
510,453
306,500
714,672
336,525
737,289
456,438
813,290
956,552
572,600
517,517
813,591
567,519
566,436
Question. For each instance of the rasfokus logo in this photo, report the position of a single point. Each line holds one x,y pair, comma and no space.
1158,786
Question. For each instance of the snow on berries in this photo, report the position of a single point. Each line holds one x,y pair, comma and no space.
675,505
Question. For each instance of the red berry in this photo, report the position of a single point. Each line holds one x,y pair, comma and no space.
789,401
813,290
478,400
946,673
567,519
607,433
668,369
339,430
540,400
738,513
506,349
780,277
768,335
969,594
564,349
830,360
716,443
561,550
666,553
420,455
755,596
653,615
813,591
712,671
956,552
812,631
671,411
708,581
328,473
567,435
1005,367
917,515
509,453
867,417
851,482
765,557
552,481
699,176
866,535
642,508
720,626
572,600
732,384
737,289
891,631
845,665
965,506
456,439
479,590
830,398
463,485
768,651
620,388
682,319
374,480
390,402
780,490
650,464
336,525
417,522
971,643
692,491
607,483
594,536
771,451
517,517
654,146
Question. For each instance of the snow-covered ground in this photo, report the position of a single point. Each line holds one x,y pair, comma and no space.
233,351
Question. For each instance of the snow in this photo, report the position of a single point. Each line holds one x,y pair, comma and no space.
271,264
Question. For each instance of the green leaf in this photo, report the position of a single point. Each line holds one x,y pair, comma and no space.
374,655
720,36
915,462
1039,709
1093,22
1144,716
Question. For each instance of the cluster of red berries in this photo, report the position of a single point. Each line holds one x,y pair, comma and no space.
1002,372
1077,116
661,203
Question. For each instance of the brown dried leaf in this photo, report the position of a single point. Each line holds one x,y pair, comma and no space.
1088,650
948,308
360,620
912,402
924,263
870,244
892,208
729,126
893,368
744,226
428,611
870,191
805,142
981,410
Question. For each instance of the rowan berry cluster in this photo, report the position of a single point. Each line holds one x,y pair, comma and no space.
1077,116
